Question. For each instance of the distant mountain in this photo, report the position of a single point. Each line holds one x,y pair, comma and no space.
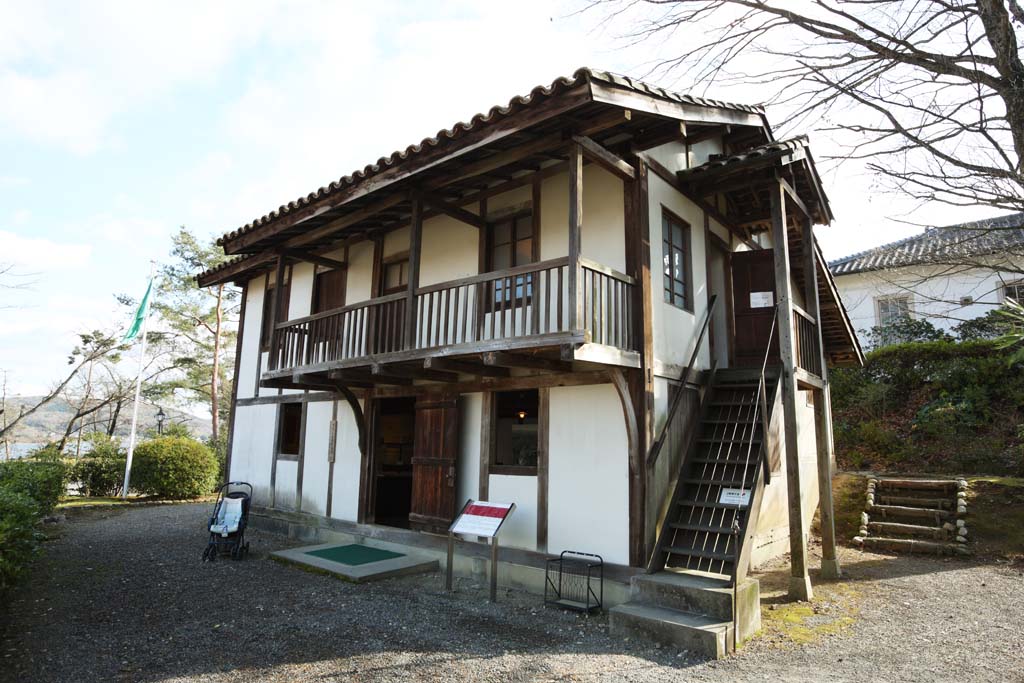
49,422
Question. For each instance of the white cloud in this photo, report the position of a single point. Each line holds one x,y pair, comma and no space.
41,254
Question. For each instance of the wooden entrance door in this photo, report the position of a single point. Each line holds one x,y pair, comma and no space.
435,450
753,286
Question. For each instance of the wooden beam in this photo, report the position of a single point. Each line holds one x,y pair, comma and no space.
275,307
517,360
456,212
561,379
415,251
305,255
465,367
353,377
575,237
605,158
672,109
637,513
707,133
795,198
411,372
799,579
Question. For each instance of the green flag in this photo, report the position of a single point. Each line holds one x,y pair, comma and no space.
140,315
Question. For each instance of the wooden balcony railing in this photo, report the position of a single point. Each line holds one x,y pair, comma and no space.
808,350
530,300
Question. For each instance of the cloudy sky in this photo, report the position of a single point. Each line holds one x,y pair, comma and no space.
120,121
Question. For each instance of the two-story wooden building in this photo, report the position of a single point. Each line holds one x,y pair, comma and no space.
602,302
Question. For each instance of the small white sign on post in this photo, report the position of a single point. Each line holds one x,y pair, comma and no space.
740,497
762,299
479,518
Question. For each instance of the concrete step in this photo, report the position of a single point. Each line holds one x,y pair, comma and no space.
706,636
695,592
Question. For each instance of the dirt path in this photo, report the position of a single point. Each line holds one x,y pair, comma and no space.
122,596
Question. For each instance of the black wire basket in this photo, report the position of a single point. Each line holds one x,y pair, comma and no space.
575,581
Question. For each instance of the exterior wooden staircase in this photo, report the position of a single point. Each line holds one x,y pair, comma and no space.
697,595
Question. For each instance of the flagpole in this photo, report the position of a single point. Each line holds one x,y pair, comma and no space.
138,387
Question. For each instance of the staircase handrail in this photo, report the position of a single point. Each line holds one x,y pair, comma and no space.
652,455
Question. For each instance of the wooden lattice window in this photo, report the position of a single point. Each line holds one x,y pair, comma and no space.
676,261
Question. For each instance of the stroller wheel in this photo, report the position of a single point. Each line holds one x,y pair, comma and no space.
206,553
236,552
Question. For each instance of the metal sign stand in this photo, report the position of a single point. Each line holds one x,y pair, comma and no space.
492,534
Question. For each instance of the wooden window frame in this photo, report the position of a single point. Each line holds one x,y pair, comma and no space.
892,297
521,281
282,408
669,296
490,423
398,258
1015,284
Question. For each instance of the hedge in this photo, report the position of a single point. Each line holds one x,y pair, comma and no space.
174,467
28,489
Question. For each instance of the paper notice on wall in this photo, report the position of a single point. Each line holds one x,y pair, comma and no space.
762,299
740,497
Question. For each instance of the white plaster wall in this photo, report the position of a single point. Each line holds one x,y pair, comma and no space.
301,297
554,216
602,238
588,473
450,250
285,484
933,296
672,155
252,450
360,272
250,338
467,479
315,466
675,330
345,500
396,241
701,151
520,529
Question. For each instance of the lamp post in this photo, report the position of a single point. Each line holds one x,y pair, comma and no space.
160,417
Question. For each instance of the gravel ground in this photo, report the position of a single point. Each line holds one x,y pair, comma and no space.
121,595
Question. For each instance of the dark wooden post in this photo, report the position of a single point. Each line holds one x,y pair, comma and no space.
799,580
575,236
415,241
822,427
275,306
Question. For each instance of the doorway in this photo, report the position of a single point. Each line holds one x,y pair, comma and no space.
753,285
393,442
720,286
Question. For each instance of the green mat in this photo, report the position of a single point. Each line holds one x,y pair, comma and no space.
354,554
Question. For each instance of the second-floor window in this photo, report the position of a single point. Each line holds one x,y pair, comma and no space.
676,261
395,274
510,243
1015,291
892,309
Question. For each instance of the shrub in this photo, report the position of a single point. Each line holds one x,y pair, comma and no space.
19,539
174,467
101,471
42,481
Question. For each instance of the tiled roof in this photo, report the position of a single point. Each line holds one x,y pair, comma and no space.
791,145
939,245
495,114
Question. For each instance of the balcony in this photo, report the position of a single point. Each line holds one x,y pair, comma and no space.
539,311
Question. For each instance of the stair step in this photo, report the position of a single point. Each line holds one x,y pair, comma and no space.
727,461
684,526
711,504
913,501
733,403
732,483
931,532
728,421
711,439
905,511
694,552
914,545
706,635
921,484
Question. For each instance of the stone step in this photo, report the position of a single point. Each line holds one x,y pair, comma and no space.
918,530
706,636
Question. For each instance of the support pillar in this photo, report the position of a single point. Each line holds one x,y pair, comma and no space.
822,417
799,579
415,242
575,236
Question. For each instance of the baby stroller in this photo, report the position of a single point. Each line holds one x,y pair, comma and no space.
227,525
